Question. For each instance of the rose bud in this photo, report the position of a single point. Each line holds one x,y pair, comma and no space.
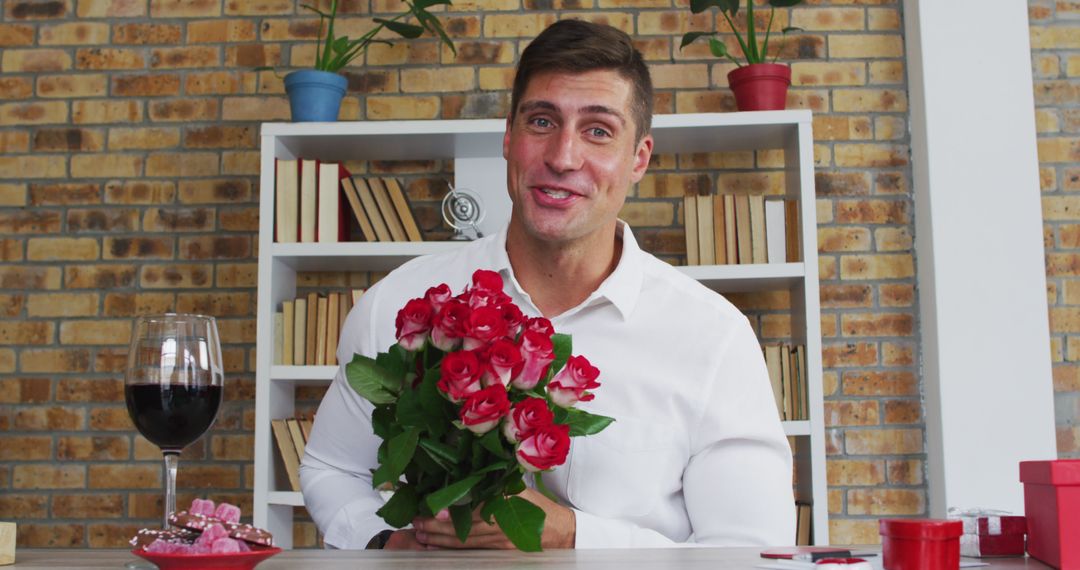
413,323
525,418
545,448
438,296
540,325
483,410
448,326
502,361
513,317
487,280
460,375
570,384
538,352
484,325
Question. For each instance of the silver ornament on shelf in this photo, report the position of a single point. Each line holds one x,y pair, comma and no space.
463,210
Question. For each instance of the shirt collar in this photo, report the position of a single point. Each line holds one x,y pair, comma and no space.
622,288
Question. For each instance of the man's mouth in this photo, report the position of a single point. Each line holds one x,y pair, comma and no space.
557,194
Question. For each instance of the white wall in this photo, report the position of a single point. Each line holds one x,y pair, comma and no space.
978,237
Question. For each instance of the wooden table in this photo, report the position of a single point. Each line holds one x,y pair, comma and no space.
684,558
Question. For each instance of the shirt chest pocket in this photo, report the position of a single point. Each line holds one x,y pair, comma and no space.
626,469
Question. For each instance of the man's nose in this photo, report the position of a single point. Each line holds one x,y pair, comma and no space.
563,152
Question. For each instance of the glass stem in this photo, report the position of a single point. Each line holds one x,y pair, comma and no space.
172,459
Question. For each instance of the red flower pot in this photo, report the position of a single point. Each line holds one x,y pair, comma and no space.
760,87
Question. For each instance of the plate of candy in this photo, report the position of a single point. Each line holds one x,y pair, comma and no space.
205,536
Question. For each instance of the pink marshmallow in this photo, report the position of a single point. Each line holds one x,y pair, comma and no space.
202,507
225,546
211,534
228,513
243,546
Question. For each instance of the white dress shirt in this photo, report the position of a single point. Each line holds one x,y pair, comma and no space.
697,453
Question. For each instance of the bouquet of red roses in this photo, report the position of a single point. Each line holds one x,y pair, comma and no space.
471,398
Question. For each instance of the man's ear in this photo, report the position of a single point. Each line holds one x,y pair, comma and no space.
506,136
642,154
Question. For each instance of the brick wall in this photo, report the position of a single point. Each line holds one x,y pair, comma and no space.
1055,63
128,184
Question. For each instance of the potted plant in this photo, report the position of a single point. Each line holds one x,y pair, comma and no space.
315,94
760,85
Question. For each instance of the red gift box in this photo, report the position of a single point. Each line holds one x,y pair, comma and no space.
991,534
1052,507
920,544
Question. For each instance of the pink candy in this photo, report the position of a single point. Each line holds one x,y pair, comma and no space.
228,513
212,534
214,538
225,546
202,507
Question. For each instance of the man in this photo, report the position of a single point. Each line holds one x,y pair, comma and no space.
697,453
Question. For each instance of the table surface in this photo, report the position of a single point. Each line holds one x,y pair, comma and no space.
682,558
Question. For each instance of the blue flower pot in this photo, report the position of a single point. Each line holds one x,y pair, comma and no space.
315,95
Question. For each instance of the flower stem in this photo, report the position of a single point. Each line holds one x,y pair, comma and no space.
538,477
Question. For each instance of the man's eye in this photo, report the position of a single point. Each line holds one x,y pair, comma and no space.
598,132
541,122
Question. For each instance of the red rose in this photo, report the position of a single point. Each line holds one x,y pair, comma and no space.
448,326
570,384
413,323
484,325
538,352
501,363
487,280
482,298
540,325
525,418
513,317
545,448
438,296
460,375
482,411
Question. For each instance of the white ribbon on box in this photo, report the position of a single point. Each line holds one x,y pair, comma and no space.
969,541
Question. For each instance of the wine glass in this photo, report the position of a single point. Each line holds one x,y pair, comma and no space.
173,385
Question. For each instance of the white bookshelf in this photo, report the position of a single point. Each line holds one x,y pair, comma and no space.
475,146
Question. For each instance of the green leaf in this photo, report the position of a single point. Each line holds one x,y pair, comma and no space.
494,444
432,24
402,29
402,507
370,381
699,6
399,453
790,29
409,410
382,420
584,423
717,47
451,494
516,485
440,450
689,37
462,517
784,3
497,466
488,510
521,521
563,347
392,361
425,4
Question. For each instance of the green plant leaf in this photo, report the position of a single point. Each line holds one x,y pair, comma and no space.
462,517
440,450
717,47
409,410
494,444
432,24
425,4
521,521
699,6
752,54
790,29
382,421
451,494
371,381
584,423
402,507
689,37
563,347
399,453
784,3
497,466
402,29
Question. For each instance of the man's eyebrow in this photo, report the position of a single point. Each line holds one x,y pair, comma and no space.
528,106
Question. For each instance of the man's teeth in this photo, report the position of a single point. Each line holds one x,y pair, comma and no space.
555,193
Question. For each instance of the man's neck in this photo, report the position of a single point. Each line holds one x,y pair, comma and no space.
559,277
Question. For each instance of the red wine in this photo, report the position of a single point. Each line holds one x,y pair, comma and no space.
172,415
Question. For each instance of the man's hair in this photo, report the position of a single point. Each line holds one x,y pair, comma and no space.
576,46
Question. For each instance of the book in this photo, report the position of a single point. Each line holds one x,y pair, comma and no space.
775,238
287,452
401,205
278,328
804,524
311,332
286,200
352,195
386,208
329,189
719,230
344,305
742,228
785,377
333,324
320,333
774,368
356,293
690,223
730,239
300,332
288,328
799,364
757,229
297,437
791,230
305,427
371,208
309,170
706,240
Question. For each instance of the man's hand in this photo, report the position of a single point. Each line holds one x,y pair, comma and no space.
559,528
404,540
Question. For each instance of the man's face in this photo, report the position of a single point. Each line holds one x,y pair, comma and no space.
571,155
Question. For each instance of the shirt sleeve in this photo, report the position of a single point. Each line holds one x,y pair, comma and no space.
737,484
335,473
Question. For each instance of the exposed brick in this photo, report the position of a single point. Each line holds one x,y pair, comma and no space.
178,219
62,249
10,250
29,277
156,85
232,447
182,164
109,58
218,304
49,418
54,360
34,60
208,477
138,248
99,276
138,192
897,354
214,247
29,221
883,441
220,31
845,296
25,448
124,476
185,57
903,412
12,142
146,34
110,419
253,55
41,113
871,155
236,275
15,88
16,35
885,502
71,140
896,295
93,112
847,472
905,472
112,535
880,324
874,383
74,33
95,332
851,413
90,390
111,8
11,305
184,8
832,239
240,163
7,365
222,83
46,476
102,220
872,100
24,506
184,110
25,390
220,137
176,276
415,107
72,86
